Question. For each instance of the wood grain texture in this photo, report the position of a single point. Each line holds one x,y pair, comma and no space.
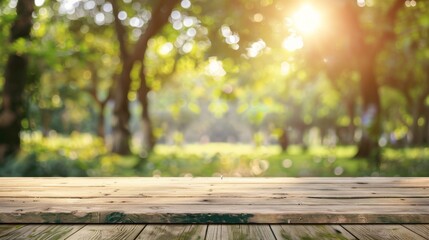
214,200
77,181
6,229
321,232
290,200
42,232
107,232
421,229
374,232
203,231
232,232
173,232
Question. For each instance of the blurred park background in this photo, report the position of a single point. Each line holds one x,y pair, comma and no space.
214,88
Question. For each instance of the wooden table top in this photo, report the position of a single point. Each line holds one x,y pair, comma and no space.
214,200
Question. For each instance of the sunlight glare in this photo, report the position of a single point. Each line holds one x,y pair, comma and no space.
306,19
285,68
215,68
293,43
165,48
39,3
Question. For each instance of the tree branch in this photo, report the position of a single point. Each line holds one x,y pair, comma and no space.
388,34
160,14
121,32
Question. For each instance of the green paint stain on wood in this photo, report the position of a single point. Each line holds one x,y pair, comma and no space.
285,235
387,219
117,217
210,218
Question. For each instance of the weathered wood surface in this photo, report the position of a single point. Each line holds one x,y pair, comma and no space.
214,200
369,232
212,232
311,232
39,232
108,232
231,232
173,231
422,230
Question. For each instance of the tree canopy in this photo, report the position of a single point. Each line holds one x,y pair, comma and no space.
138,73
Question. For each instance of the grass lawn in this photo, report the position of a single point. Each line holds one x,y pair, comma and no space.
85,155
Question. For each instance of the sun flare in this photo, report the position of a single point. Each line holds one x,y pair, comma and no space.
306,20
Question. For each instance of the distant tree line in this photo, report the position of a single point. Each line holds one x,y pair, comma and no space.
361,76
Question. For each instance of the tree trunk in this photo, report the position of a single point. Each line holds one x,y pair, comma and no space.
149,138
352,127
100,124
16,74
366,54
302,129
46,121
121,113
160,14
418,112
371,113
284,140
416,134
426,127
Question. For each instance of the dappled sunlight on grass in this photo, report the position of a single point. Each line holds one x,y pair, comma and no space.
215,148
85,155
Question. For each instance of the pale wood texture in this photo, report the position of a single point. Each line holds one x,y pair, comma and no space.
214,200
373,232
6,229
421,229
321,232
173,232
108,232
42,232
231,232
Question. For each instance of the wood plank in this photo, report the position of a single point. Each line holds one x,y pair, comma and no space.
6,229
240,192
81,211
213,184
206,187
421,229
214,200
226,232
215,214
212,179
369,232
297,232
106,232
231,200
156,231
183,184
173,231
398,181
42,232
17,231
48,215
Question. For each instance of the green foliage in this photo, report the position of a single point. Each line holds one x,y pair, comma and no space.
218,69
85,155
